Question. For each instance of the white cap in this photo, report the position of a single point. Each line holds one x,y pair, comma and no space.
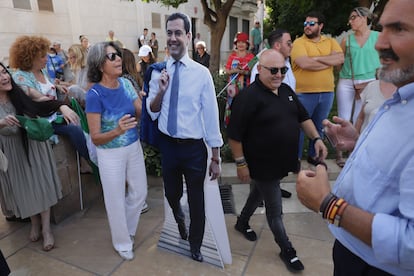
144,51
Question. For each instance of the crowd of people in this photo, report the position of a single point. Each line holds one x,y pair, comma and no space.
272,102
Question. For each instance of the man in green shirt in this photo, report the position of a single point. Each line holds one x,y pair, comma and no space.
256,37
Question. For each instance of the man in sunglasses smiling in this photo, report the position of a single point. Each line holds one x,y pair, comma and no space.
313,59
263,135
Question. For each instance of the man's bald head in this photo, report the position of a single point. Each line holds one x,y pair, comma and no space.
269,61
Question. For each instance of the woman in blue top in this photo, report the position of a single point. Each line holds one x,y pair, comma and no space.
359,48
113,110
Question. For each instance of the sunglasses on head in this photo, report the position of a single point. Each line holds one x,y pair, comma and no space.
310,23
112,56
275,70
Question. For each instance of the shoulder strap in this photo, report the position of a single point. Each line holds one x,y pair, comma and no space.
348,52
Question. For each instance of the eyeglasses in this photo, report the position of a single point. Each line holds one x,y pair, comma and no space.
112,56
275,70
309,23
352,17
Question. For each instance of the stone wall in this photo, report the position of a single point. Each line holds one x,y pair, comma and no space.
67,167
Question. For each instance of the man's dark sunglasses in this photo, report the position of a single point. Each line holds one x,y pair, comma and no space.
112,56
275,70
310,23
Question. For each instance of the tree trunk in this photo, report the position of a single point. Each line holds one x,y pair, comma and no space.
215,17
217,33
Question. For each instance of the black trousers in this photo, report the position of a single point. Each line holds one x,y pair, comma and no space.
4,267
269,191
347,263
188,158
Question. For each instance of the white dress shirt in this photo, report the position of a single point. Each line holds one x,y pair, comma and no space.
197,108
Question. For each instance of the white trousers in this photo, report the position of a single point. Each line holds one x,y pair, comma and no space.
123,205
345,94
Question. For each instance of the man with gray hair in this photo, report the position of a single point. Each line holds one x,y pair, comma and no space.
372,215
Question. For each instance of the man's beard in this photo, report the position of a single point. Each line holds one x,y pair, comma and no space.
397,76
312,35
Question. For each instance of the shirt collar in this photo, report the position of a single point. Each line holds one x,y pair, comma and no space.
184,60
406,92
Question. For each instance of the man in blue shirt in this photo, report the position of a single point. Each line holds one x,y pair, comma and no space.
182,97
371,207
54,65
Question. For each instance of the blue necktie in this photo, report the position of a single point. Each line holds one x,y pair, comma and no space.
172,112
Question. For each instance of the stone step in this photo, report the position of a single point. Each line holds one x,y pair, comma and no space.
229,173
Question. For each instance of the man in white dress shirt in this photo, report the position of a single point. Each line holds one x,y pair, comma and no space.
188,119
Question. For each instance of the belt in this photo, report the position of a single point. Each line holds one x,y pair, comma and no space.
180,140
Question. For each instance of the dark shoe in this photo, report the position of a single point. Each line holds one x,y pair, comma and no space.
183,230
16,219
285,193
196,255
261,204
291,261
245,229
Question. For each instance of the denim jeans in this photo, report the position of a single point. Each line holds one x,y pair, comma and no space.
269,191
75,135
318,106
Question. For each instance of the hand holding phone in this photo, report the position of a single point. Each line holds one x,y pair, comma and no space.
341,134
331,137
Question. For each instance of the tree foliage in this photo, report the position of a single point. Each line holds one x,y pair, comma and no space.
290,14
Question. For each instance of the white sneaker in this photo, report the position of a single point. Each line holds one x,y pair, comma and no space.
145,208
126,255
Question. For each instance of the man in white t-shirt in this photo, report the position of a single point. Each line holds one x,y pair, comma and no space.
143,39
281,41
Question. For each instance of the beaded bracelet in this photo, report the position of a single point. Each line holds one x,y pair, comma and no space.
337,221
325,203
332,209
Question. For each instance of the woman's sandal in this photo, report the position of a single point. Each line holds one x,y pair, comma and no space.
340,162
48,241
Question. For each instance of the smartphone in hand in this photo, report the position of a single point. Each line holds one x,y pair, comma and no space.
331,138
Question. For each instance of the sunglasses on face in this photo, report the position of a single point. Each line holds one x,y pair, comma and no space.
275,70
310,23
112,56
352,17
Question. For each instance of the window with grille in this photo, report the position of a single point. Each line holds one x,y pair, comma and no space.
156,20
45,5
232,31
22,4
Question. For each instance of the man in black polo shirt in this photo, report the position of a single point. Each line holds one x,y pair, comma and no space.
263,133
